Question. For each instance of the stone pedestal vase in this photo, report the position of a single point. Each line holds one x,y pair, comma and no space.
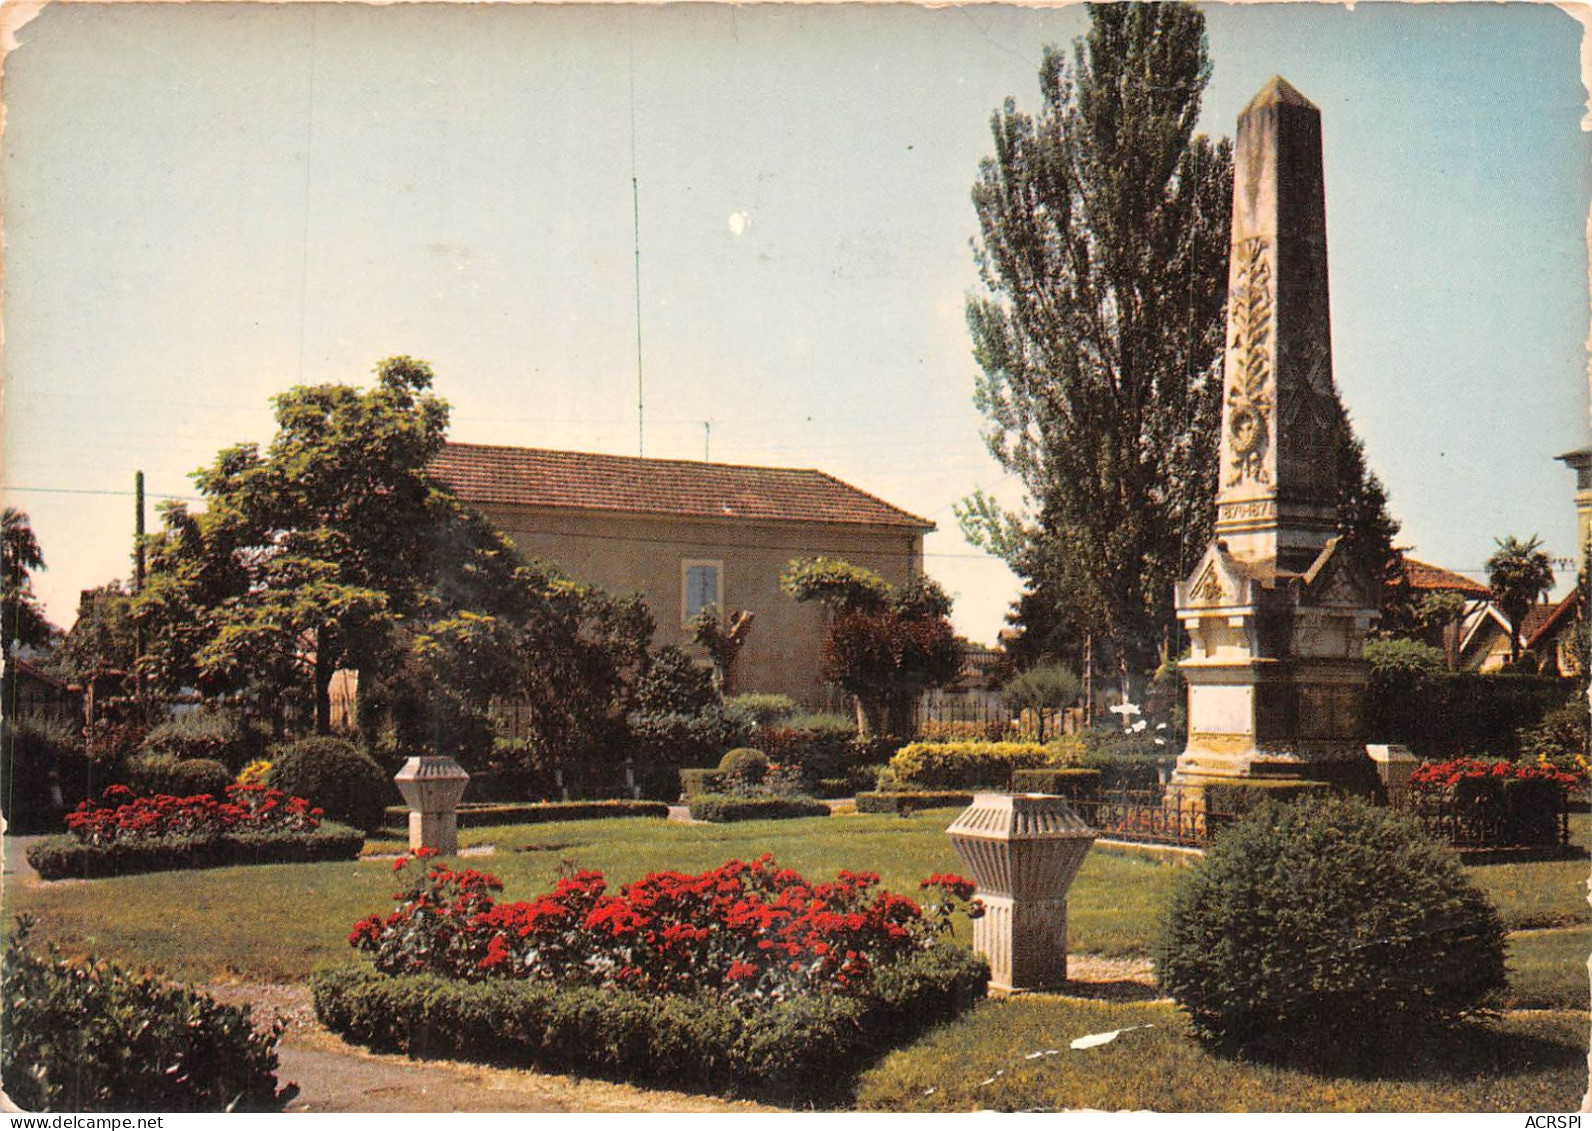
1024,851
431,787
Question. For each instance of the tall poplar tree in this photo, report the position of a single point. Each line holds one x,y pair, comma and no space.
1104,227
1103,253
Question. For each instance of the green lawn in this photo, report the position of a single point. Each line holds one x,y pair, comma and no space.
277,922
1548,969
985,1060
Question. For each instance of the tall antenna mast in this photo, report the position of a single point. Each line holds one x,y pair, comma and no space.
635,206
707,440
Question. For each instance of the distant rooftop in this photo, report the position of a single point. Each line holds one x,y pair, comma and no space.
1422,575
537,477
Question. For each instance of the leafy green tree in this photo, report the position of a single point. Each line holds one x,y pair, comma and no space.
335,548
1103,253
22,619
307,555
1046,687
1103,245
884,645
1519,573
102,638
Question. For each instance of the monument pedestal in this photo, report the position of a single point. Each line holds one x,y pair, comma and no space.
1276,680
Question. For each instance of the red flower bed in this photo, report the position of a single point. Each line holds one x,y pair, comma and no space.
121,816
743,930
1437,776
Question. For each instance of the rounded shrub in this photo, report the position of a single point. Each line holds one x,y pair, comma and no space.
336,775
1327,933
154,774
744,765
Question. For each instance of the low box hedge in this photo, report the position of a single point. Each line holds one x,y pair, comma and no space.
966,765
539,812
1228,801
1073,783
807,1050
65,857
695,782
728,807
910,801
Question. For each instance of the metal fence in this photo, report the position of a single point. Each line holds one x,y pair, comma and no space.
1149,817
1170,817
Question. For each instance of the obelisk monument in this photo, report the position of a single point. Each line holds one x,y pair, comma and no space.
1277,614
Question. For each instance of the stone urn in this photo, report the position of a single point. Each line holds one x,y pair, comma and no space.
1024,851
432,786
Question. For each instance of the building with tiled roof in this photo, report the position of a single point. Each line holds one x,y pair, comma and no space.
1427,578
685,534
1546,631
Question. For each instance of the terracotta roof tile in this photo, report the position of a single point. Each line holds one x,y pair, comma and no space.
1421,575
1540,621
481,473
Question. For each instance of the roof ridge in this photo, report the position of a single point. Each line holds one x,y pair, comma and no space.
645,459
553,477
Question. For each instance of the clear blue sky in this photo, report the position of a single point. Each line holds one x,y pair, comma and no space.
207,204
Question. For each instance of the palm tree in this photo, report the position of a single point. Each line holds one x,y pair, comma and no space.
1519,573
21,619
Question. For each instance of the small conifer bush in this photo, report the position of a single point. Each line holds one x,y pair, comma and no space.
1328,934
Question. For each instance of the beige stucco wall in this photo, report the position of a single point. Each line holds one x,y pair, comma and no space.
645,553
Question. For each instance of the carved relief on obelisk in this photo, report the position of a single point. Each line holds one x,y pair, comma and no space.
1248,400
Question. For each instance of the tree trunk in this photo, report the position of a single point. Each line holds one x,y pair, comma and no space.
323,683
873,717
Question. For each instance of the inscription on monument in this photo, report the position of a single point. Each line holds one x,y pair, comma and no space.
1248,511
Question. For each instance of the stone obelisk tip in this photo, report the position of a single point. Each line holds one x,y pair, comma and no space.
1278,90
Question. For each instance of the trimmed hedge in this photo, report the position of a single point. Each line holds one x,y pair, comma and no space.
64,857
1525,812
1066,782
728,807
803,1051
910,801
1462,713
965,765
540,812
695,782
93,1036
1239,797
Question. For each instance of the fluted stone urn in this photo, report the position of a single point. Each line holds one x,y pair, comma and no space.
1024,851
432,786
